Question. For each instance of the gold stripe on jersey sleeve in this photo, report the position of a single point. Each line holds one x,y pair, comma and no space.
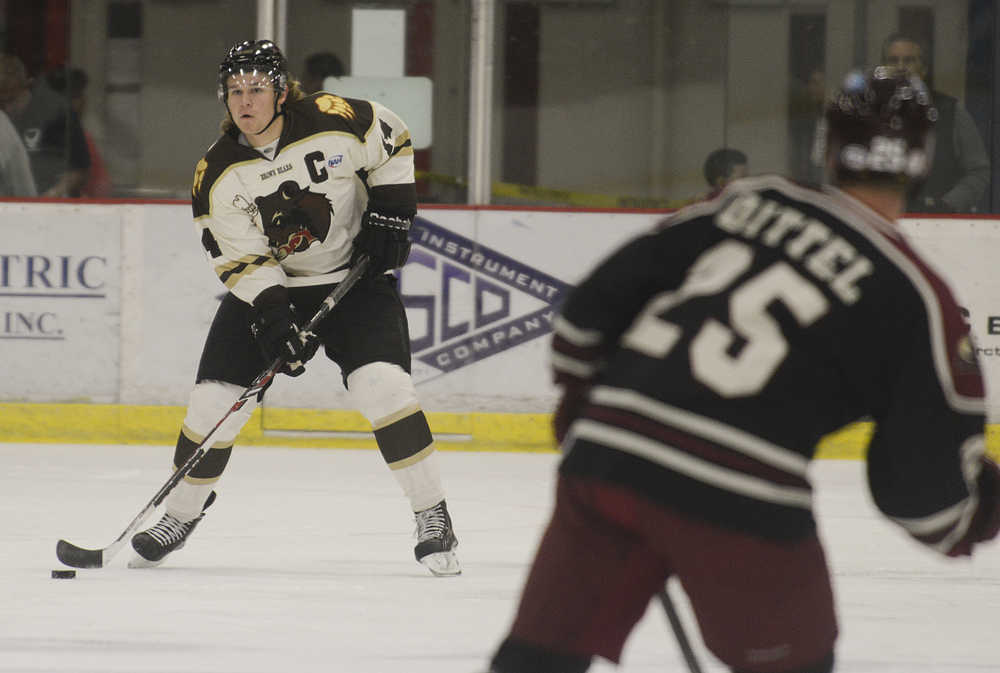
231,273
404,145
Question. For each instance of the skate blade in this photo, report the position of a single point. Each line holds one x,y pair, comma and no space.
442,564
139,562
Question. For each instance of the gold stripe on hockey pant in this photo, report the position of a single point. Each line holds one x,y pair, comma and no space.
404,439
210,467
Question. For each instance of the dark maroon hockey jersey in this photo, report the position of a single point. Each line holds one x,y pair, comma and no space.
720,347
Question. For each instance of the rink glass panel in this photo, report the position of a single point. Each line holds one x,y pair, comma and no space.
592,103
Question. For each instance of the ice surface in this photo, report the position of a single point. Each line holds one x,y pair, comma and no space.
305,564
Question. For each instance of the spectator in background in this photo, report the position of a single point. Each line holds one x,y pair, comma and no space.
16,178
319,66
960,172
723,166
49,128
73,84
15,167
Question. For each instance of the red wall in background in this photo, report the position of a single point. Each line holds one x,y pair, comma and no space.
38,33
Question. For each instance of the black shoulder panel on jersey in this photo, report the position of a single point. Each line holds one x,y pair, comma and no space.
224,152
323,111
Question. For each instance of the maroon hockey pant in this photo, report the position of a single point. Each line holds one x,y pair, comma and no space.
761,605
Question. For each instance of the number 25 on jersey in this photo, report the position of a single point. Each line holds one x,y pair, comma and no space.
712,363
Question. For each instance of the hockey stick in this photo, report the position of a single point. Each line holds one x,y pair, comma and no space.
78,557
678,629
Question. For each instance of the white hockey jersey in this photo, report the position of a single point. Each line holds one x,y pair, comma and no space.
291,219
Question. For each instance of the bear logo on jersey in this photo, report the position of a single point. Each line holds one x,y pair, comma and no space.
294,218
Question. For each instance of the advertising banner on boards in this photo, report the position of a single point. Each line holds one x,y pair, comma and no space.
481,289
111,303
59,304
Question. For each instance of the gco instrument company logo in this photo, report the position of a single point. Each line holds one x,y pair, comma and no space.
467,302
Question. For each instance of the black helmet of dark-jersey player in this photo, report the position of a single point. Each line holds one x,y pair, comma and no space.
879,127
255,56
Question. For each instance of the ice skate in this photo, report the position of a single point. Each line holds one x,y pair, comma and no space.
436,541
154,544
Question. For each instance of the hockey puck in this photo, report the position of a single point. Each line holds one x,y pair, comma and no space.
63,574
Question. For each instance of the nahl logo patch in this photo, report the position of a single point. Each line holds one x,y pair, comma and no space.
467,302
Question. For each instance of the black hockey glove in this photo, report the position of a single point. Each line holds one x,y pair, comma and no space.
385,239
986,521
276,331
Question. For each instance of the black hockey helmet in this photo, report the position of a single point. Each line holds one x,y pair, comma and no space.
879,126
248,56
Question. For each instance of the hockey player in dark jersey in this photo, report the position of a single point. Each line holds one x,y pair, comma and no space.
292,193
701,364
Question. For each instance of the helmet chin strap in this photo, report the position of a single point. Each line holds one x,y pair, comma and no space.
273,117
277,113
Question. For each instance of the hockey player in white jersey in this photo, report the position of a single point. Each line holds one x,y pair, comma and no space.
294,191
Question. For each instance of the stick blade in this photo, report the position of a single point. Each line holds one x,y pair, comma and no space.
77,557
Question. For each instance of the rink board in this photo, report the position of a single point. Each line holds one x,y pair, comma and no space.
105,307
